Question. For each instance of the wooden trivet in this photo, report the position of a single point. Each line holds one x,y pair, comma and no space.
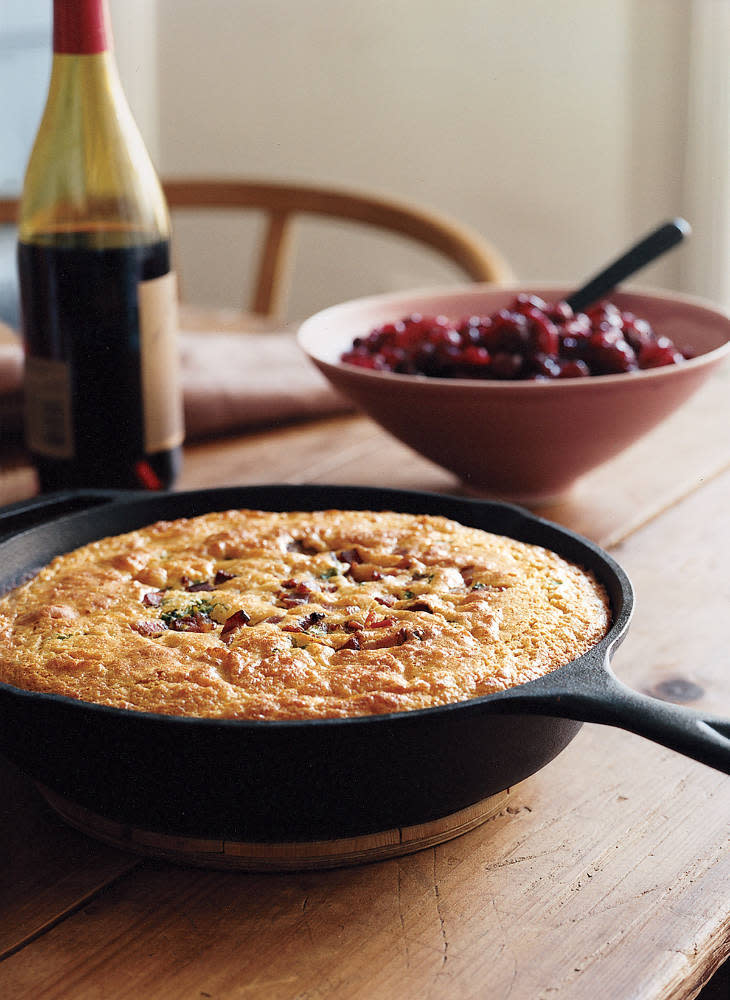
292,856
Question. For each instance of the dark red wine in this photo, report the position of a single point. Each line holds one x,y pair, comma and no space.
96,411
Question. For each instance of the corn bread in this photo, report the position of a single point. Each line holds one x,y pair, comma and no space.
327,614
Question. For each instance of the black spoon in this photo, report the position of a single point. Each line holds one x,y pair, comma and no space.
642,253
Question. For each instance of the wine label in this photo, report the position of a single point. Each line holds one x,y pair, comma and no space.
48,421
161,386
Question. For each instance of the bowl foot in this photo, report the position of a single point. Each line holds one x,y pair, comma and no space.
525,499
291,856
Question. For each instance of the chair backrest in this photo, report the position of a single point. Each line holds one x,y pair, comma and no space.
281,203
8,211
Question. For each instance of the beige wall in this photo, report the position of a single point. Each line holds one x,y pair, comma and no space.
557,129
134,23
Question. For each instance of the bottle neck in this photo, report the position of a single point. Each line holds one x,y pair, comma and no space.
81,27
89,169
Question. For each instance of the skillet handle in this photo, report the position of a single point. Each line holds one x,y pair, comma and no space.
702,737
26,514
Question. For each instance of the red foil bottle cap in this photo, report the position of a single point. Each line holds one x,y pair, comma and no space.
80,27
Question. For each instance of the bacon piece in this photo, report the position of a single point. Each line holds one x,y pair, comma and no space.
304,623
394,639
352,643
292,602
353,626
300,588
351,556
222,576
419,606
372,621
387,600
365,572
298,593
196,622
235,621
153,599
149,628
195,588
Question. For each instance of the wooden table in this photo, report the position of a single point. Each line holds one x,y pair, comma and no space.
606,875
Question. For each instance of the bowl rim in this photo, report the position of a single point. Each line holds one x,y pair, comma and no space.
508,385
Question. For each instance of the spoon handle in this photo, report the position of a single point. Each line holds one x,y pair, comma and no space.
641,254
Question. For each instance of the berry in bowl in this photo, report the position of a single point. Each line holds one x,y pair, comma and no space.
528,339
508,388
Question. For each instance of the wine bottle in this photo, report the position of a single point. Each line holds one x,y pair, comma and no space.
98,298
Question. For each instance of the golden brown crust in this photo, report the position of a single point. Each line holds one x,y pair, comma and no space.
258,615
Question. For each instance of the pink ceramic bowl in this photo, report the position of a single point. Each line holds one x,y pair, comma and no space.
526,441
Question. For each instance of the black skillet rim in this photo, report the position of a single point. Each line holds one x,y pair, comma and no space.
575,674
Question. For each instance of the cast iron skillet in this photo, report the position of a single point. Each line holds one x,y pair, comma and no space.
317,779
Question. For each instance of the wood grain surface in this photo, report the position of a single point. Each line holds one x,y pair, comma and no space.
606,875
48,871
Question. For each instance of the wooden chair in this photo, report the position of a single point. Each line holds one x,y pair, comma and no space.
8,211
282,203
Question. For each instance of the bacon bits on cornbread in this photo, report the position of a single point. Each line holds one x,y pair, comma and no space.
258,615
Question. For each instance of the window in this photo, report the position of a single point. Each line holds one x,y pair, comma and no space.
25,62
